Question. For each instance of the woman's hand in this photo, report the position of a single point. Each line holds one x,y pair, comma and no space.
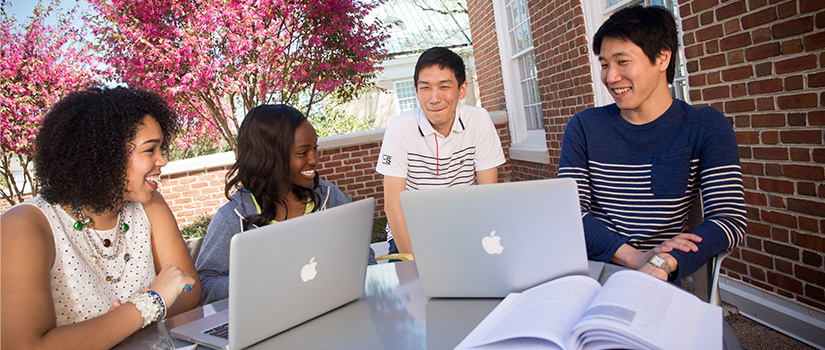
115,304
170,283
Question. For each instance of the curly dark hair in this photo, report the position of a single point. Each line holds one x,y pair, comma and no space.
82,149
262,168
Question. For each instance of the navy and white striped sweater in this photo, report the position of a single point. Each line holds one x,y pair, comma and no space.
637,182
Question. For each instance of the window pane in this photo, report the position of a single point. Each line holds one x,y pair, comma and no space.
532,104
516,40
531,64
511,20
528,117
522,55
527,39
534,120
527,66
525,91
405,92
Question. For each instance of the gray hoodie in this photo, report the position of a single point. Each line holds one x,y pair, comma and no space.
213,259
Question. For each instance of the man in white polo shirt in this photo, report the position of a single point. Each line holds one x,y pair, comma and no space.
439,144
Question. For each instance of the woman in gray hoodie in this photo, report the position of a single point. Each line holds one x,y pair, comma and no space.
274,179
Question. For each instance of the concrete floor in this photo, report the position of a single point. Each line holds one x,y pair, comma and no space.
753,335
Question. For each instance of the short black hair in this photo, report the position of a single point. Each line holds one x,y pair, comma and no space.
651,28
82,149
444,58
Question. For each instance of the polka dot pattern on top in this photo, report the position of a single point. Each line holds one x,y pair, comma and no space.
78,280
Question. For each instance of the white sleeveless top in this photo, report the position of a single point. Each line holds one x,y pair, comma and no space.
78,281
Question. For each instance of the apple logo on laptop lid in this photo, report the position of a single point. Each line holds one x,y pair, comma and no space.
492,244
308,271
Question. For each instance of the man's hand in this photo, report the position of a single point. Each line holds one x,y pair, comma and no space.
633,258
685,242
630,257
654,271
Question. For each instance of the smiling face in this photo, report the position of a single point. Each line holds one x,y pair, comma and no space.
638,86
145,161
303,156
438,93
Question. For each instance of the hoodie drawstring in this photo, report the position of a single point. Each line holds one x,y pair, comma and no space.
323,206
240,217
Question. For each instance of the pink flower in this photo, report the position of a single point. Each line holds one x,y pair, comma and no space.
217,59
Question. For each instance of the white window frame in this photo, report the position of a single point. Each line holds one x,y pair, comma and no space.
527,145
398,96
598,11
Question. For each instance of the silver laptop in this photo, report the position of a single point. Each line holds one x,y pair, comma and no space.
487,241
286,273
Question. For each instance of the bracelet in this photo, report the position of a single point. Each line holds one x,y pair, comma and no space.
151,306
158,299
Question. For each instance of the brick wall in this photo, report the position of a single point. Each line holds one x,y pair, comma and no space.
193,194
506,172
563,63
485,51
488,71
352,169
525,171
761,65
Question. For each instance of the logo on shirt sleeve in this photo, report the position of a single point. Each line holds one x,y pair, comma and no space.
386,159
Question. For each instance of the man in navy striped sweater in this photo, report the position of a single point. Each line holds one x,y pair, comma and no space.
640,162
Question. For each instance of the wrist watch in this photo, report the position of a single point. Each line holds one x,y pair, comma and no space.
661,263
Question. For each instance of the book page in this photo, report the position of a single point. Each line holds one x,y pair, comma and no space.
651,312
545,312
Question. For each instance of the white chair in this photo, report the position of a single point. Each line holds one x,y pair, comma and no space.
714,296
704,283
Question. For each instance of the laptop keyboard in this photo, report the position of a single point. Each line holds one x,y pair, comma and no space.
219,331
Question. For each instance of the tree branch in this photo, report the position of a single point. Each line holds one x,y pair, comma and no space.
444,10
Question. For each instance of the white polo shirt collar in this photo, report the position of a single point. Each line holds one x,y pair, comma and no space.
425,128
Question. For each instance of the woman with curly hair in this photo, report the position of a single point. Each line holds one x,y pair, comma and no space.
275,180
98,254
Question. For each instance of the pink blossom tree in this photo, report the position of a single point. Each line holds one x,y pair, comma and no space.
39,64
217,59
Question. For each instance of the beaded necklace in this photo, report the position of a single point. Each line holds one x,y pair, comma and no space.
84,224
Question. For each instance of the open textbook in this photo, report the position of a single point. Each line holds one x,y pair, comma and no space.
632,310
